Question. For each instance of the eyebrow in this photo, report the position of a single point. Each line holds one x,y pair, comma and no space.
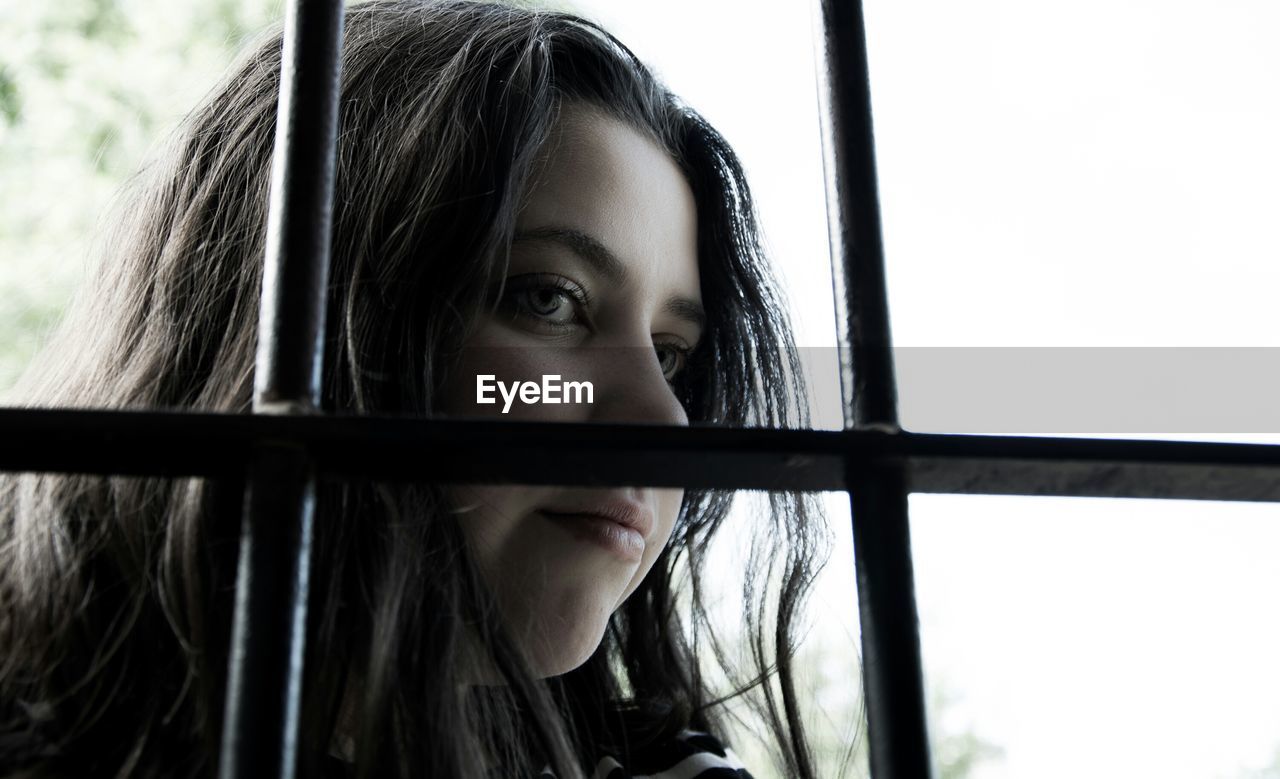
607,264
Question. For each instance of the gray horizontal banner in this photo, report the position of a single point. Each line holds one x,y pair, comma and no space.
1089,390
1172,392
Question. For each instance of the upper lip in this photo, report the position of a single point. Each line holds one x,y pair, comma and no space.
623,511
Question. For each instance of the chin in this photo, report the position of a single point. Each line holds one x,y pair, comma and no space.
561,651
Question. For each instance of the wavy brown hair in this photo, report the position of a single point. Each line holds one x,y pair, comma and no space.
116,593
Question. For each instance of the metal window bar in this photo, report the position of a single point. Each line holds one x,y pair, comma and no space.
264,676
217,445
892,667
287,444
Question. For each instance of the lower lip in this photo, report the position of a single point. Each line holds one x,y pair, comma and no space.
625,542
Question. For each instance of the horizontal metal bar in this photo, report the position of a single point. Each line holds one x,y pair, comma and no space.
453,450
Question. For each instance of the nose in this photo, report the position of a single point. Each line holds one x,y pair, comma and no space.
632,388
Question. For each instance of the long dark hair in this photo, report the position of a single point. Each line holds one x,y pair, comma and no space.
115,593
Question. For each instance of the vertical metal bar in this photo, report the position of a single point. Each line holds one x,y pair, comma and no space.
891,657
264,686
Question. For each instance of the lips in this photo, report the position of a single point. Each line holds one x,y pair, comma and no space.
628,513
619,525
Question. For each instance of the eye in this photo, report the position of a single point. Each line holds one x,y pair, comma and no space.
550,299
548,303
672,358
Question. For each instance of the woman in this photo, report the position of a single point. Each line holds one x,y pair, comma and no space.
516,197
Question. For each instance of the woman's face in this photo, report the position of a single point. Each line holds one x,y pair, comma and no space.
603,287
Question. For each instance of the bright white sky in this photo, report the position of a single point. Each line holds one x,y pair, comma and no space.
1095,173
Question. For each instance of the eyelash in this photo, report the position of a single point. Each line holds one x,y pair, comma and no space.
518,289
515,298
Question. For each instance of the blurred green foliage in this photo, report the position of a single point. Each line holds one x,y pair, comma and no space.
87,88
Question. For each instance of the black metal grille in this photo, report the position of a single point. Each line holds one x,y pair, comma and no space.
286,444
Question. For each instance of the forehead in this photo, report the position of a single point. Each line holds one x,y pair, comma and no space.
599,175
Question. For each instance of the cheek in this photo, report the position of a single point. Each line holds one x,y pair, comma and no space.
669,502
489,518
667,510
